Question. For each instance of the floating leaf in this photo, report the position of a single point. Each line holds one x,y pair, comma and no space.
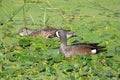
66,68
72,77
1,46
17,47
50,70
109,74
24,42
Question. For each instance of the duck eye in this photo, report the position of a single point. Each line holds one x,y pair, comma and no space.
23,30
58,32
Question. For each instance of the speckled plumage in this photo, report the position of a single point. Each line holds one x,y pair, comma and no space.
45,32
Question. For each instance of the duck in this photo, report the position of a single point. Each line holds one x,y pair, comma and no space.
44,32
76,49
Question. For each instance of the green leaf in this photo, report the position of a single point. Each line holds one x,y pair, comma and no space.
109,74
24,42
50,70
72,77
66,68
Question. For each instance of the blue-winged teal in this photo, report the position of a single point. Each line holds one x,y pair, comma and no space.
81,48
45,32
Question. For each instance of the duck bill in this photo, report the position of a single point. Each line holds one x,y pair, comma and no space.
52,36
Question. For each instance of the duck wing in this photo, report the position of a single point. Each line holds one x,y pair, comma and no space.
90,44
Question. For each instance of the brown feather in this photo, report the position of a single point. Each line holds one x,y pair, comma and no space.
45,32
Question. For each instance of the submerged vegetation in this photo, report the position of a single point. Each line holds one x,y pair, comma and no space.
37,58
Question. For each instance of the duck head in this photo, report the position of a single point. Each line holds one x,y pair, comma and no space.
66,33
25,31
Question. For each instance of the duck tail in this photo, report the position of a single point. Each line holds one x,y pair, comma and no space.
101,49
98,49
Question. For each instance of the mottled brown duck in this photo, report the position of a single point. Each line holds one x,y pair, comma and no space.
45,32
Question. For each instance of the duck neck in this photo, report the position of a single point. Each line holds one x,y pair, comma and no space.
30,31
63,41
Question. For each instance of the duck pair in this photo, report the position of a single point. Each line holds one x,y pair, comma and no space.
68,51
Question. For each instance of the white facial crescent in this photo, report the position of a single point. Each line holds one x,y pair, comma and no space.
57,34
